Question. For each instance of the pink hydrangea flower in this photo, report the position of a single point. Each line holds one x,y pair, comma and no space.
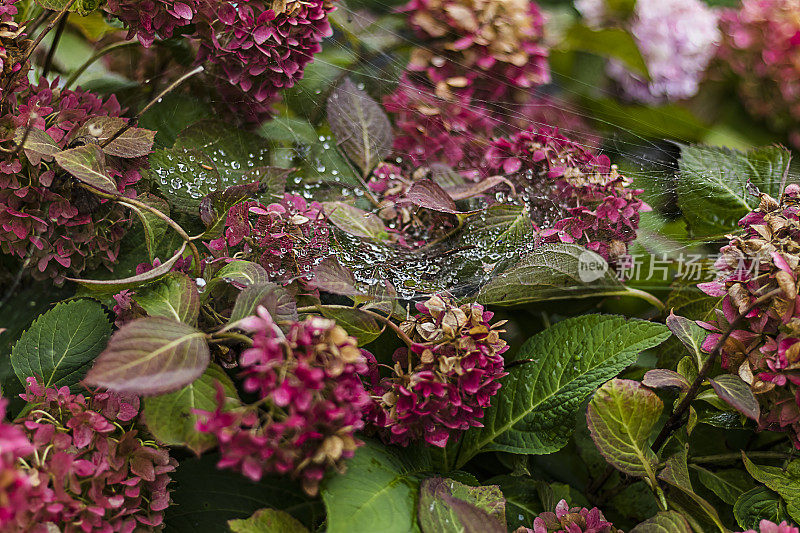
150,18
287,238
765,526
441,385
58,227
760,46
677,39
764,350
92,471
575,195
310,402
15,485
570,520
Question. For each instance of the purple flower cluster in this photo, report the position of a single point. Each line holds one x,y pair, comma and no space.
150,18
677,39
15,485
765,526
259,48
442,383
92,470
765,349
287,238
760,47
574,195
46,220
570,520
483,48
310,402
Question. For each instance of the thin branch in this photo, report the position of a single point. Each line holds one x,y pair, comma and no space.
153,102
48,62
44,33
674,421
97,55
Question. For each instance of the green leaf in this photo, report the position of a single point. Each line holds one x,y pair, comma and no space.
723,174
154,226
184,177
689,334
38,144
116,285
357,323
172,114
377,493
83,7
61,344
501,229
552,272
355,221
533,413
133,142
447,505
664,522
174,296
239,274
88,164
607,42
204,497
360,125
728,485
738,394
151,356
289,130
621,416
233,151
756,505
277,300
171,417
784,482
681,496
268,521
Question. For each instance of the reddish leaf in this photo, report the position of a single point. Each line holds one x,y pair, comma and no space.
474,189
150,356
332,277
134,142
88,164
737,394
659,378
427,194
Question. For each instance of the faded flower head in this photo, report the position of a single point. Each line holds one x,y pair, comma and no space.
92,471
573,194
442,383
46,219
13,46
760,47
310,402
764,350
257,49
488,46
150,18
287,238
570,520
677,39
765,526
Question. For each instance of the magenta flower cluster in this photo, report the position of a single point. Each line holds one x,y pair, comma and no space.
764,350
287,238
677,40
760,47
15,484
254,49
568,519
765,526
148,19
12,46
443,381
574,194
46,219
310,402
91,471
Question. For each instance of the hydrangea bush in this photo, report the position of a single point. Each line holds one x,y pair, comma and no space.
453,265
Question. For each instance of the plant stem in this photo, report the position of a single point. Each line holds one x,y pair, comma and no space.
132,202
48,62
41,36
733,457
232,335
171,87
97,55
674,421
